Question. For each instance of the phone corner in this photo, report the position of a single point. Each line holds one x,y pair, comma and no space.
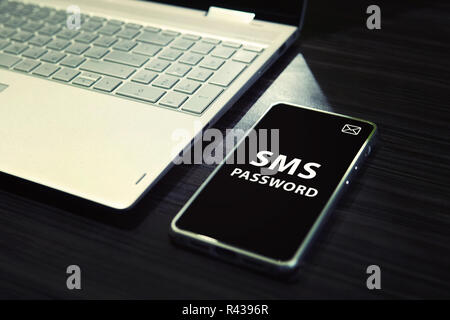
374,126
276,104
374,135
173,229
175,235
287,266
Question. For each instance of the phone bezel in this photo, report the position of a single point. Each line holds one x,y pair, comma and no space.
276,266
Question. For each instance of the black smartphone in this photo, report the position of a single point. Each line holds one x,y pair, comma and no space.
263,210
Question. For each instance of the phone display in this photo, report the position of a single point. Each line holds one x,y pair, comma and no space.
269,206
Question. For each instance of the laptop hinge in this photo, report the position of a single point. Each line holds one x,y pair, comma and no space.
230,15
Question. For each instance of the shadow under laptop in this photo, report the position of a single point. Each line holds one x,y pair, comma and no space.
123,219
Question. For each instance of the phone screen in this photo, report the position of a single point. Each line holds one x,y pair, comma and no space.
268,204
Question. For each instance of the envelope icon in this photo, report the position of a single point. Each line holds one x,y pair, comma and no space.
351,129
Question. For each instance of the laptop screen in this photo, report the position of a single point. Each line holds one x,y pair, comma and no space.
281,11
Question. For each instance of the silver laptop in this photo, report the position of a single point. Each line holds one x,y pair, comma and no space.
92,93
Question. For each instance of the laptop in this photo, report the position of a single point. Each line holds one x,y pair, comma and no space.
93,93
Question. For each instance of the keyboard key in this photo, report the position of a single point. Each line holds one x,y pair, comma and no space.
191,58
23,10
98,19
91,25
109,29
91,75
115,22
26,65
56,18
6,32
105,41
4,43
68,34
157,65
130,59
200,74
165,81
96,52
147,49
178,70
191,37
182,44
173,99
245,56
170,54
125,45
212,63
152,29
141,92
187,86
222,52
53,56
4,17
211,40
40,40
202,48
8,61
107,84
108,68
253,48
15,22
19,9
171,33
49,30
77,48
65,74
227,73
72,61
58,44
83,18
32,26
82,81
231,44
39,14
16,48
133,25
45,70
154,38
86,37
204,97
21,36
128,33
34,52
144,76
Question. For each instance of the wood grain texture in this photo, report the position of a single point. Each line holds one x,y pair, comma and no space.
396,214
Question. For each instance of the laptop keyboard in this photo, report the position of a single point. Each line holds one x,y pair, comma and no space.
177,70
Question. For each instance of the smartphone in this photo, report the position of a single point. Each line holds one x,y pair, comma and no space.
264,210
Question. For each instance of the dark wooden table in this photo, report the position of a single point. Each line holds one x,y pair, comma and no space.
396,214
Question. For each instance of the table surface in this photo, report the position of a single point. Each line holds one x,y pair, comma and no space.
396,215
